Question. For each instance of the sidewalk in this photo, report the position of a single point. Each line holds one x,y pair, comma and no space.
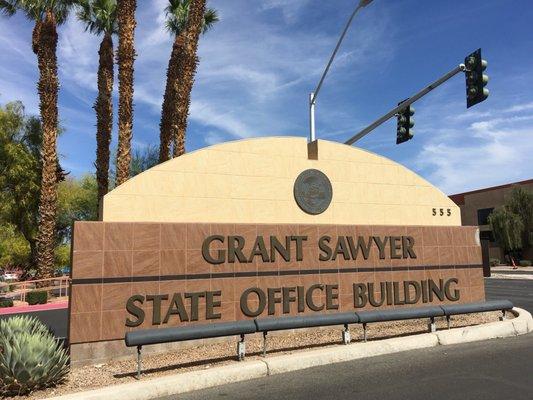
507,272
38,307
508,268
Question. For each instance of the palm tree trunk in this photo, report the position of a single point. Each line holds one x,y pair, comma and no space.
183,114
35,36
187,70
126,57
104,116
168,124
48,87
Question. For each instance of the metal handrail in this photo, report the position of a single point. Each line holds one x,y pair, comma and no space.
24,286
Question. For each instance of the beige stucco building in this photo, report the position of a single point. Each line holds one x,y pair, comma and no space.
477,205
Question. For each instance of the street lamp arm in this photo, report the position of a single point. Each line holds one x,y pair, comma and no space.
362,3
313,95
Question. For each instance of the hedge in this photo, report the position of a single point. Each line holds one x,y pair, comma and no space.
38,297
5,302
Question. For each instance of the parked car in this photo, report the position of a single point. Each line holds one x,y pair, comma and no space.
62,271
10,276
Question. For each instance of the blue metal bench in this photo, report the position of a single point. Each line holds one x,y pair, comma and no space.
266,325
204,331
166,335
430,312
469,308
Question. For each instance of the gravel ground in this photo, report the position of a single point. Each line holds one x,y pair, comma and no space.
221,353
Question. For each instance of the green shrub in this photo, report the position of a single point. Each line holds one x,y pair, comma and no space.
5,302
37,297
30,357
525,263
494,262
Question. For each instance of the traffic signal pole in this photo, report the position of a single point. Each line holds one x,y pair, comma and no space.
406,103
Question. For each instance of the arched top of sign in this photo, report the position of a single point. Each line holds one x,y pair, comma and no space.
252,181
312,191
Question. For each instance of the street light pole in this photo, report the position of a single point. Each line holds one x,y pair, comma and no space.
312,137
313,95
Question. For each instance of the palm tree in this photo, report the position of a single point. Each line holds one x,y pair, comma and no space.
125,59
100,17
47,15
177,16
187,70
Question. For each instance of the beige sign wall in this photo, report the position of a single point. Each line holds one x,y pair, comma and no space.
251,181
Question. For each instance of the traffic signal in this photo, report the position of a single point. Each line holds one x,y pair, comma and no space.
476,80
405,124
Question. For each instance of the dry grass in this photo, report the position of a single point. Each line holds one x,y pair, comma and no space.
221,353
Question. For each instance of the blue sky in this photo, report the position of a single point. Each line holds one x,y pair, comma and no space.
262,59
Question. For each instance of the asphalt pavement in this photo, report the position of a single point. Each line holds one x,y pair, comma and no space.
56,320
519,291
494,369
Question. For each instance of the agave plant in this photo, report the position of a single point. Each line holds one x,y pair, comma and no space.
30,357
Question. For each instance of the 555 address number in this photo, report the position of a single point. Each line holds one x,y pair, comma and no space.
442,212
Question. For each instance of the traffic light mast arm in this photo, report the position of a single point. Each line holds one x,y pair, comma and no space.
406,103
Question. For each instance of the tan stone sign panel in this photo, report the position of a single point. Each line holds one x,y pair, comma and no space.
253,180
128,276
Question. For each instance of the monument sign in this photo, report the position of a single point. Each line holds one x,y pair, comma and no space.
157,262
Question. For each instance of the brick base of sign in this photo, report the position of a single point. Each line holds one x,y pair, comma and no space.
129,276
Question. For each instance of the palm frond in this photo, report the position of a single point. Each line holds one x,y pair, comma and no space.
61,9
99,16
210,18
177,12
36,9
8,7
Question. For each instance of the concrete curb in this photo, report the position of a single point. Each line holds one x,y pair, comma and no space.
174,384
202,379
314,358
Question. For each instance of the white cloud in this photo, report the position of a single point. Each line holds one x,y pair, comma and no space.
489,126
251,79
486,153
15,86
206,115
520,107
289,8
78,51
212,138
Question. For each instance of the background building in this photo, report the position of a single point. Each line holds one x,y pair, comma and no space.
477,205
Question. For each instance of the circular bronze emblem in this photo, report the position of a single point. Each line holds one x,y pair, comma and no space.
312,191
